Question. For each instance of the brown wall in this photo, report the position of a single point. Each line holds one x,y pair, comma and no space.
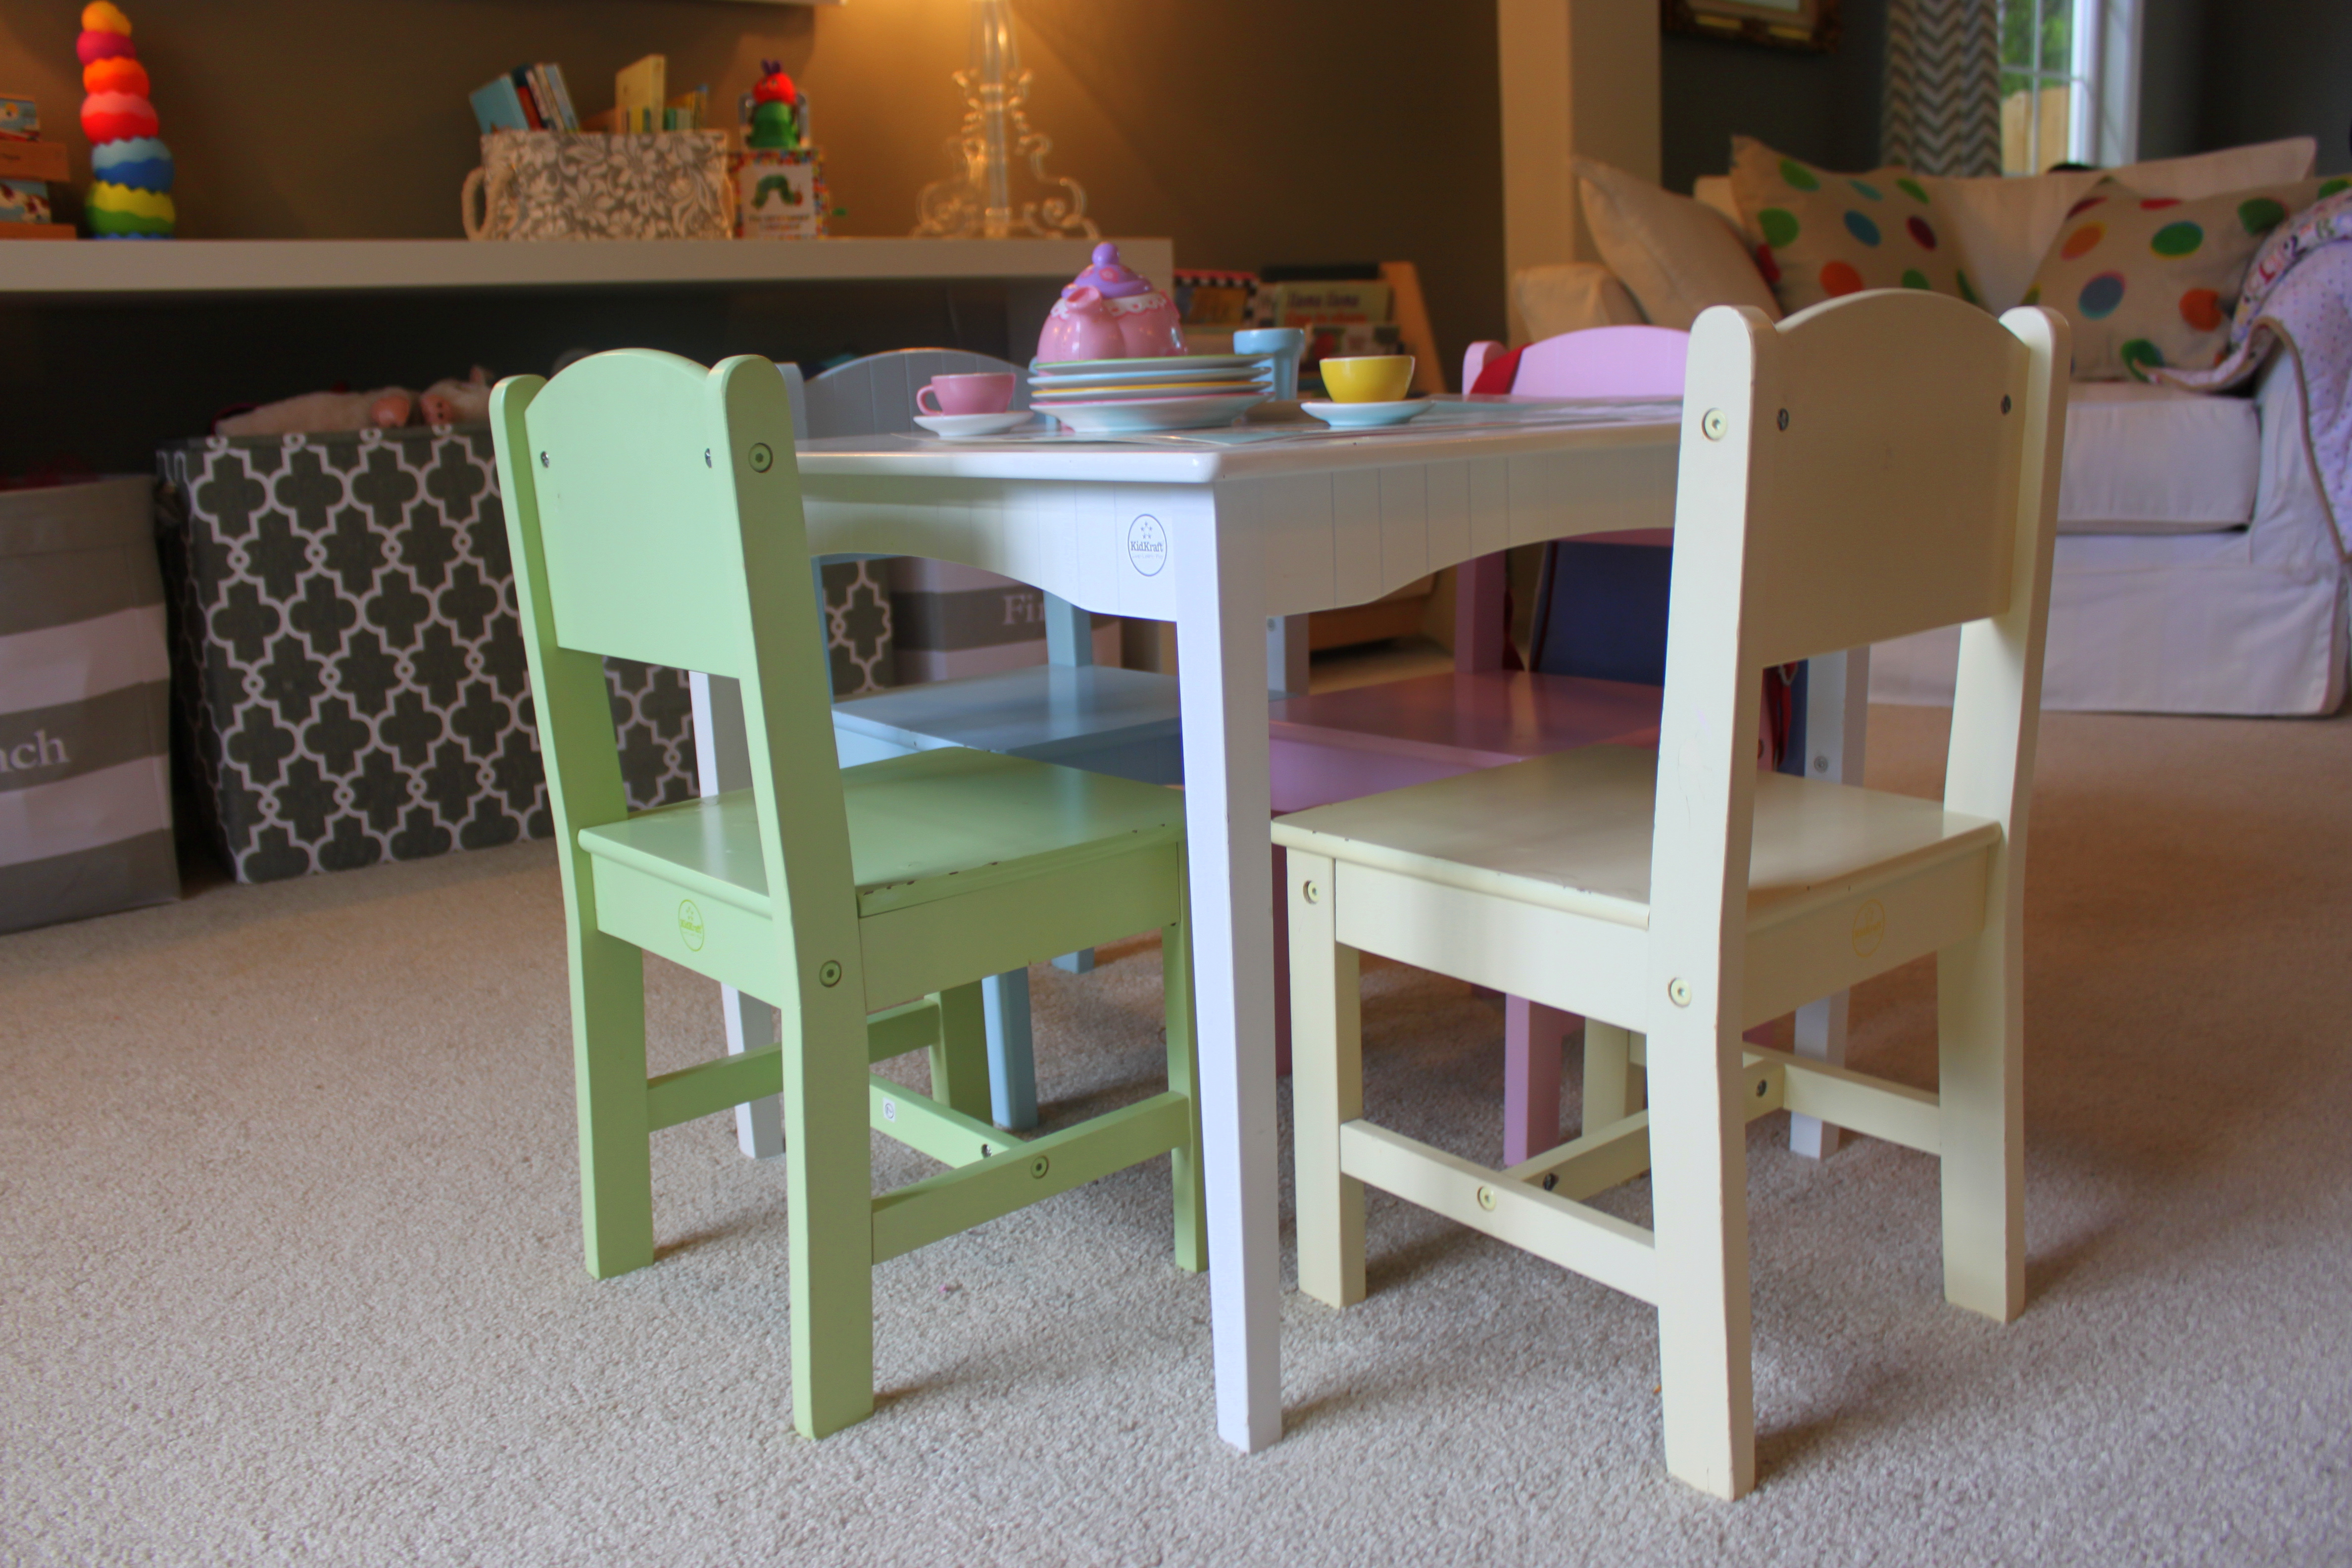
1249,131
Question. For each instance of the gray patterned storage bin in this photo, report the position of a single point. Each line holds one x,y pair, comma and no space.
347,662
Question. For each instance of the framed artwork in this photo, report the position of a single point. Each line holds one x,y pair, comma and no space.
1780,24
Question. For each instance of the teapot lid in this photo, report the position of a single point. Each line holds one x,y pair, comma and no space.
1108,277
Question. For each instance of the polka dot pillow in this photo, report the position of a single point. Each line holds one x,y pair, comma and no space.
2150,280
1818,235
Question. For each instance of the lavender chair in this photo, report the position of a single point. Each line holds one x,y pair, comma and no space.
1346,744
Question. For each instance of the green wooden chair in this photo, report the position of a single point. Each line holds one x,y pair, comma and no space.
655,512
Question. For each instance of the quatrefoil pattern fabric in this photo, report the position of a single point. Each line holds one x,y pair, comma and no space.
1817,234
348,667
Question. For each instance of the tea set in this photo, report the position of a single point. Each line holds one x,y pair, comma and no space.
1112,360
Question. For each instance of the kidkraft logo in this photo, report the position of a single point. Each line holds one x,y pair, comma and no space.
1147,545
1869,928
43,751
691,929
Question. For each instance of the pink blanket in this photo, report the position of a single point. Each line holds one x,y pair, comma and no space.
2299,292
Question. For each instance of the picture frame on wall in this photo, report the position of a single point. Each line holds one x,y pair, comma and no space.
1810,25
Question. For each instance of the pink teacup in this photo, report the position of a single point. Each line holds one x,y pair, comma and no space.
990,392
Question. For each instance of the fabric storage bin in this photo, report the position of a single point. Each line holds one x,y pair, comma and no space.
950,621
348,662
85,753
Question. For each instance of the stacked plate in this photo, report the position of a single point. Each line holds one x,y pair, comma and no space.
1114,396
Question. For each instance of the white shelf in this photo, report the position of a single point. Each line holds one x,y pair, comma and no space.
122,269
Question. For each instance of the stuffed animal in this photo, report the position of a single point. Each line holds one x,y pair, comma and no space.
450,402
774,120
315,413
456,402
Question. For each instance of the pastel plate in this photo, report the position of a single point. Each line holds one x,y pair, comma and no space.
1044,395
1168,371
1161,363
1141,415
965,427
1366,415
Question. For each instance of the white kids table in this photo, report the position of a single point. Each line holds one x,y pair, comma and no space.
1223,534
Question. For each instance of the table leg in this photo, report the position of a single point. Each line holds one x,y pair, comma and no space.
1069,641
1837,723
1221,644
722,757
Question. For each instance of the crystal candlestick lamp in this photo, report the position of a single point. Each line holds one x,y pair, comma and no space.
979,201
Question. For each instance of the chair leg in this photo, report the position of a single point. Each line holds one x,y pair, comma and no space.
1012,1052
1326,1086
1698,1150
1534,1036
1281,970
1613,1084
960,1061
1184,1077
1980,1033
608,1060
829,1199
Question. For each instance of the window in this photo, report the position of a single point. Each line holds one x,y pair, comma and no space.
2069,83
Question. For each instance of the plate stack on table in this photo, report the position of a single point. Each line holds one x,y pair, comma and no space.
1114,396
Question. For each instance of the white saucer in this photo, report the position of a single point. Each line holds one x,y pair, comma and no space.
965,427
1363,416
1144,414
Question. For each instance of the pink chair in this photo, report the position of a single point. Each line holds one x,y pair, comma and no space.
1345,745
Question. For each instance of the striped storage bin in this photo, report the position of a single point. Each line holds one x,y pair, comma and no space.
85,756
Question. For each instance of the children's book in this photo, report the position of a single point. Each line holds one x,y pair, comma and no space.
532,108
641,91
497,107
564,114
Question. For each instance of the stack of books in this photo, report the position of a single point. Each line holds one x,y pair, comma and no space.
27,166
534,97
528,98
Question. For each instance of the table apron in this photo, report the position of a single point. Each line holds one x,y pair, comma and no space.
1331,538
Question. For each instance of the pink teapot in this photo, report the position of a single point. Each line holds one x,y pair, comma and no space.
1110,311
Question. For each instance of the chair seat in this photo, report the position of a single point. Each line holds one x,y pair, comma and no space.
1339,745
928,826
1572,832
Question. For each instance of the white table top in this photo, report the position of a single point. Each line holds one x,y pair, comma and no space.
1456,428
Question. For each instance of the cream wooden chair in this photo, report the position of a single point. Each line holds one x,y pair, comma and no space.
1879,465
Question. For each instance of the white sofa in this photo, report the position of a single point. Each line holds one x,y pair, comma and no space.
2198,568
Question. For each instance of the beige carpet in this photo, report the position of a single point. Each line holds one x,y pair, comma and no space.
289,1264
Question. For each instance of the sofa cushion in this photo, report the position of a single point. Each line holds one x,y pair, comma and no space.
2151,280
1819,235
1569,296
2003,224
1675,257
2152,459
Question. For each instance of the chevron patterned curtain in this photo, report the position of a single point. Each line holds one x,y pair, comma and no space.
1943,86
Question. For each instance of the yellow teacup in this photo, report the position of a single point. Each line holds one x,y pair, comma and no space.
1368,378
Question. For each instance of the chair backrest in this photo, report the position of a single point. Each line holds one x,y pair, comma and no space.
1597,361
1879,465
654,510
875,395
